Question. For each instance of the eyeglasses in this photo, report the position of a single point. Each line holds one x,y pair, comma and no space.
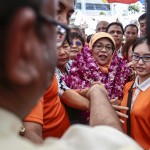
61,29
100,47
144,58
77,43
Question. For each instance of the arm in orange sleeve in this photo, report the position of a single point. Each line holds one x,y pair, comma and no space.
36,115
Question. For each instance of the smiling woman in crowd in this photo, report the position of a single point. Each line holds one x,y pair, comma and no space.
136,96
76,44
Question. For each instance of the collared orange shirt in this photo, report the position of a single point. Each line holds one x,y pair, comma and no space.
140,115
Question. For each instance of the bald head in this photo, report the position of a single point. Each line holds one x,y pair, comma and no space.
102,26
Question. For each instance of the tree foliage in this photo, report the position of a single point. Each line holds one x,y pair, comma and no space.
133,8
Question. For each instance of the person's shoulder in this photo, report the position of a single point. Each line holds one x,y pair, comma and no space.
53,88
36,115
128,84
127,87
100,137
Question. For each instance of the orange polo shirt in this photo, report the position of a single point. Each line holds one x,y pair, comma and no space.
54,117
56,120
36,115
140,116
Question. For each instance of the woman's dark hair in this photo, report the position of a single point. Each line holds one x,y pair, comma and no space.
115,23
74,35
139,41
126,47
142,17
89,38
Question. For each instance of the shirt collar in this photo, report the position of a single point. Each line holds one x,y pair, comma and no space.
143,86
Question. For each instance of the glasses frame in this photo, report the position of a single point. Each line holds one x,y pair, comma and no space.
103,46
50,20
139,57
75,43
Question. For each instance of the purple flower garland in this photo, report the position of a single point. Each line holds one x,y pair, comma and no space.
85,69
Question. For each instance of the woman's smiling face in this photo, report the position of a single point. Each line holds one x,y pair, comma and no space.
102,51
75,48
142,67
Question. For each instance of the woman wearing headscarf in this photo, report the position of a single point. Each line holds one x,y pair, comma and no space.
99,62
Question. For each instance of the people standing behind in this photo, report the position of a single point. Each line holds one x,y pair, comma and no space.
143,24
115,29
73,99
127,54
65,93
89,38
127,49
76,44
75,29
131,32
101,26
137,95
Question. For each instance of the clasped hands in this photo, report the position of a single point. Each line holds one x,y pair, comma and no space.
114,102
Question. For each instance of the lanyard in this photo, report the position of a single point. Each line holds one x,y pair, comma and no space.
128,111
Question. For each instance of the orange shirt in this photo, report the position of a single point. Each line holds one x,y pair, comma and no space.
140,116
36,115
54,117
56,120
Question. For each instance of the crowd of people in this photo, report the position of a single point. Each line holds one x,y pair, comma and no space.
62,90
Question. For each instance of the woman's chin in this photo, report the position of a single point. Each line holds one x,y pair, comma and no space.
102,63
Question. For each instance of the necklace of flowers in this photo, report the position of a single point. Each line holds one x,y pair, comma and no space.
89,70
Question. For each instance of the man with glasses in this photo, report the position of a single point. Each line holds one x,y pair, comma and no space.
27,62
49,118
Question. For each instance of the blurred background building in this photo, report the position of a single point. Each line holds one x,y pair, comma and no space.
89,12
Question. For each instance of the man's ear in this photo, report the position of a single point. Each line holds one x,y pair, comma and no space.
19,47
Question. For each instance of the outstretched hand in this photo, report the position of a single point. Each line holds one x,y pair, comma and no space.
116,105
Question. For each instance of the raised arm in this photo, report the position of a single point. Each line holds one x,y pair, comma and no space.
101,111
